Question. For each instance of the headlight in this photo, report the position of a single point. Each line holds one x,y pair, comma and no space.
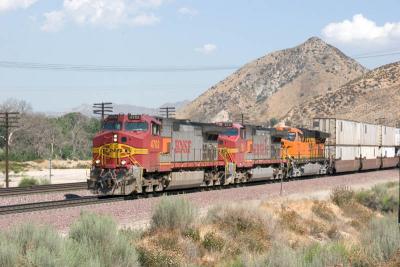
115,137
123,162
97,161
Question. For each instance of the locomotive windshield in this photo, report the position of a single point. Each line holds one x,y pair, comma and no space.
111,125
231,132
291,136
136,126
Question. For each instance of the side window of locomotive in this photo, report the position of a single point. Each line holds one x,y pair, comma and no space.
291,136
155,129
243,133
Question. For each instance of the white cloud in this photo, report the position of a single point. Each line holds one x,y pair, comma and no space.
188,11
145,20
206,49
362,31
15,4
106,13
54,21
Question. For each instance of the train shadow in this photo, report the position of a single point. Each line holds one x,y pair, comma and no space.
72,196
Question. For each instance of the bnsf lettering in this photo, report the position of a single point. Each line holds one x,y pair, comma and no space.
259,149
182,146
155,144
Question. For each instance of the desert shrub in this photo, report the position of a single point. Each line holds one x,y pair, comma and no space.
192,233
94,240
322,210
132,235
44,181
213,242
8,252
291,220
315,227
333,232
28,181
244,226
173,213
281,255
82,165
342,195
158,258
237,219
35,245
161,249
360,214
331,254
380,198
380,240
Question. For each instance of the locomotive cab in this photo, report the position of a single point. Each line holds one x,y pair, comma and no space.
302,143
126,145
232,143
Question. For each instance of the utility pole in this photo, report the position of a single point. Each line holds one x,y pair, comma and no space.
51,158
8,120
167,112
102,109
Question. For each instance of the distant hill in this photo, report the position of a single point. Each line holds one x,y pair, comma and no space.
373,97
87,109
271,86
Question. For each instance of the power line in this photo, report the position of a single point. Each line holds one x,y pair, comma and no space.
116,68
378,55
108,68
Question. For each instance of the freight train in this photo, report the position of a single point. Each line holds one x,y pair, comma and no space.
144,154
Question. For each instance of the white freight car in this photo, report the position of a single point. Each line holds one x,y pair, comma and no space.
357,145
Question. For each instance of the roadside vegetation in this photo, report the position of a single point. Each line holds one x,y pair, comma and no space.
70,134
350,229
27,181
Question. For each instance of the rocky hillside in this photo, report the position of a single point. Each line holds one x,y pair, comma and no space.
374,97
271,86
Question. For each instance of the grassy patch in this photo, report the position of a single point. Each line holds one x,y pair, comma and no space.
321,209
16,167
292,221
382,198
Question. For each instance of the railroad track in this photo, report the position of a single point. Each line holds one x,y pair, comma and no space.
47,205
89,200
36,189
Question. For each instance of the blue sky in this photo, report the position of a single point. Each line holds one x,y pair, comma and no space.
148,33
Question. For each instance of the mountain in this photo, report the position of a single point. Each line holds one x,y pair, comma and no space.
269,87
373,97
87,109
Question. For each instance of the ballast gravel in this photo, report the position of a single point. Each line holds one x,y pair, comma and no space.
137,213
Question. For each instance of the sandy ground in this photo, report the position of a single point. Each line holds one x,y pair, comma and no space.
137,213
58,176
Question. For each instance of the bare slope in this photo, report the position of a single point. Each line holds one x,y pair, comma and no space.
374,97
272,85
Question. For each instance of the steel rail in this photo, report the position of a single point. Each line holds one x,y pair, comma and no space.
89,200
37,189
66,203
